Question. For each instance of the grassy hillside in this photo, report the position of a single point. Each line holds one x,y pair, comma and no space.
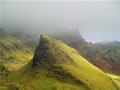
56,66
14,52
75,40
94,53
115,78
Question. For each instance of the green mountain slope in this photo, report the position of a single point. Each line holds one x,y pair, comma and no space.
103,55
75,40
14,52
111,50
56,66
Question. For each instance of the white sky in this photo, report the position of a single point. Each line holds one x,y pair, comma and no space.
97,21
60,0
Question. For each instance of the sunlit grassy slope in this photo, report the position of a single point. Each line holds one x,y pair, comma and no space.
115,78
104,55
3,88
14,53
57,66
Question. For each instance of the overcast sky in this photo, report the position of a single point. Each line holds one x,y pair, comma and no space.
96,21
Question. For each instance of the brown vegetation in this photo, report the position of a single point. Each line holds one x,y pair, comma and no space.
107,66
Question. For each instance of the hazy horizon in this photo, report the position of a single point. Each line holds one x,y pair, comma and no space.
96,21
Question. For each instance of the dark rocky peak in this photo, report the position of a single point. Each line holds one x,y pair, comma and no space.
42,49
69,37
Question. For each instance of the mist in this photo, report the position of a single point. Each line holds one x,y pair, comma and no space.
97,21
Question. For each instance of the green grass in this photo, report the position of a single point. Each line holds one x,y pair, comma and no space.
57,66
115,78
14,52
3,88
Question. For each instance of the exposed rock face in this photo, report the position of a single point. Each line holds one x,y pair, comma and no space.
41,49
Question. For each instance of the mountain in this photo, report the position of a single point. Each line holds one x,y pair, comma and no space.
75,40
104,55
17,49
56,66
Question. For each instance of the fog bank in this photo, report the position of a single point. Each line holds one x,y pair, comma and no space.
96,21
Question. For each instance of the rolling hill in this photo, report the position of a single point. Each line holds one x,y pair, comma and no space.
106,53
14,52
56,66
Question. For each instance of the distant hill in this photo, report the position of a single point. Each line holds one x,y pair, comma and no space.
56,66
107,51
21,43
75,40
